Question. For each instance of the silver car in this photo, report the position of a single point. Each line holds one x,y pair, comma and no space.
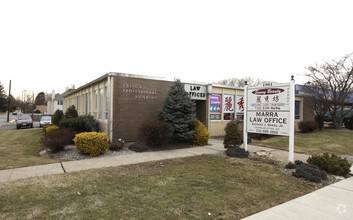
24,121
45,120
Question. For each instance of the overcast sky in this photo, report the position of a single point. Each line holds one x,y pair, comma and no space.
46,45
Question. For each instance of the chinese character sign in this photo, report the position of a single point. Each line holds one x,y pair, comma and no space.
240,104
228,101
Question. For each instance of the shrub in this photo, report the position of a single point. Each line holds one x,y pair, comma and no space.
307,126
37,111
237,152
45,128
56,140
155,133
290,166
138,147
51,128
201,134
57,117
332,164
85,123
71,112
310,172
233,136
116,146
91,143
349,123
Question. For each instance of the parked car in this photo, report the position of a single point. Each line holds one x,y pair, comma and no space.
45,120
24,121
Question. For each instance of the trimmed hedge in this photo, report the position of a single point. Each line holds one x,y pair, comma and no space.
91,143
201,134
310,172
138,147
332,164
51,128
85,123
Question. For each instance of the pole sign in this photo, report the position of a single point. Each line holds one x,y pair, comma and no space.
268,109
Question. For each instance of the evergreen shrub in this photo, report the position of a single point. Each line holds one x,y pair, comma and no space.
91,143
56,140
84,123
57,117
234,137
156,133
349,123
237,152
332,164
201,134
71,112
307,126
138,147
310,172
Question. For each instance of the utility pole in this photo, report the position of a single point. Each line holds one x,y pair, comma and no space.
8,103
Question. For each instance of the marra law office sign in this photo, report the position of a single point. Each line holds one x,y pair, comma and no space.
269,109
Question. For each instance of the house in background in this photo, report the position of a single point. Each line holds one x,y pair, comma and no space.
43,109
56,102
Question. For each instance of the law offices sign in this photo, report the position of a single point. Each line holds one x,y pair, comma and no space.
269,109
196,92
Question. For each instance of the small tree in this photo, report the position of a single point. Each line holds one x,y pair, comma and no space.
71,112
334,80
57,117
40,99
180,111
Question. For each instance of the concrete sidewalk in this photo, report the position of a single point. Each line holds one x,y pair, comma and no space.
215,146
331,202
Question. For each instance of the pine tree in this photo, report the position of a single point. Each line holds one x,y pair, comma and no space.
3,98
180,110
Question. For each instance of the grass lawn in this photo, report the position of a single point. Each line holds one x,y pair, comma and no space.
319,142
202,187
19,148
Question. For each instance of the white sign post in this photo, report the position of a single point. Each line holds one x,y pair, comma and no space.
269,109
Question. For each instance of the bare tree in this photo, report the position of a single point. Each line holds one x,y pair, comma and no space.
334,80
240,82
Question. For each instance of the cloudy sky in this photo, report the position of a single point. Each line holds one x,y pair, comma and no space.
46,45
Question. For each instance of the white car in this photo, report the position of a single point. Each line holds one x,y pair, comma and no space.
45,120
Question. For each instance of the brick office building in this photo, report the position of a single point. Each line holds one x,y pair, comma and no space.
123,102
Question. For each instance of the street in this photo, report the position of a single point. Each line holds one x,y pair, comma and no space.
11,125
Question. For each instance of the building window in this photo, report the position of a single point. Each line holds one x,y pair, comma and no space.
106,102
297,109
89,102
86,103
60,102
95,103
215,107
228,107
100,111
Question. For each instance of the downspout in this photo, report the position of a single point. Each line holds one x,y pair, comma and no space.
109,101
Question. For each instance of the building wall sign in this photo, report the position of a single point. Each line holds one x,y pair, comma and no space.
228,106
196,92
240,104
268,109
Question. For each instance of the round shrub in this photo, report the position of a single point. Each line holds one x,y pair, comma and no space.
51,128
234,137
307,126
91,143
237,152
56,140
201,134
138,147
156,133
332,164
310,172
349,123
118,145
